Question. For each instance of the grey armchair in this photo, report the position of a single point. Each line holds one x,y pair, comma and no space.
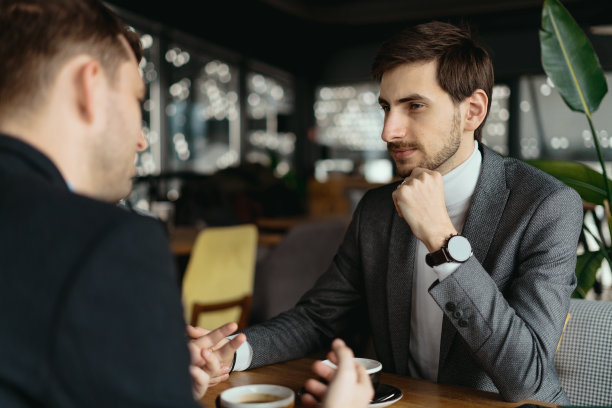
584,357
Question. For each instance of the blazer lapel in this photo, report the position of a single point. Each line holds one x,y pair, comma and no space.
402,246
486,209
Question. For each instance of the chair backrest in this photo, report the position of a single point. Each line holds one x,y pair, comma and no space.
294,265
219,275
584,357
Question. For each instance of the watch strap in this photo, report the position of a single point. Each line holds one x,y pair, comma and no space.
443,255
437,258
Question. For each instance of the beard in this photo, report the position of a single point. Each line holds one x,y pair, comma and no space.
112,158
435,160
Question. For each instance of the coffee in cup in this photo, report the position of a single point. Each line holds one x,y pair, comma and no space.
258,396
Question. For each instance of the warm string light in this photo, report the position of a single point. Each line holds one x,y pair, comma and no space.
544,133
495,131
267,99
348,117
146,163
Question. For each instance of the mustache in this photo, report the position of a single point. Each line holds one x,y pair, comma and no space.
394,146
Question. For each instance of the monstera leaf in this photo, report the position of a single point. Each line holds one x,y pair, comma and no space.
586,181
569,60
571,63
587,266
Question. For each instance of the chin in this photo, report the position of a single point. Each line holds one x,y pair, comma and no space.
404,171
122,194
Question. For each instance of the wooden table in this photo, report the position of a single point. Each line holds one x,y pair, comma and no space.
417,393
182,238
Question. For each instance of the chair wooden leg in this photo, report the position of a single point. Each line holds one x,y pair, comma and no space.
244,303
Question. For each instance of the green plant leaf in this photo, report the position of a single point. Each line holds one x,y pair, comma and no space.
586,181
586,270
569,60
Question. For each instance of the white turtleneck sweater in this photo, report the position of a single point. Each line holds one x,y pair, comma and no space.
426,315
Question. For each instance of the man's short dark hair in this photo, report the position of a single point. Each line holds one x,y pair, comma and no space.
463,65
39,36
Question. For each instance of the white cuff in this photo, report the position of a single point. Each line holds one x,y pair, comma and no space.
445,270
244,355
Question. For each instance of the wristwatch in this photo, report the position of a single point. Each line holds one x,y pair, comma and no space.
456,249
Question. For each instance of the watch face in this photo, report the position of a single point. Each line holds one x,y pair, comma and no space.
459,248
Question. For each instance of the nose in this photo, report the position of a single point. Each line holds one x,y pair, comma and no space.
142,143
395,127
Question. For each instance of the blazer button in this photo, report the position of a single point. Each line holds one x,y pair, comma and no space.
464,322
451,306
458,314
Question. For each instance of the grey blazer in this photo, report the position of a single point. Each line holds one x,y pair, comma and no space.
504,308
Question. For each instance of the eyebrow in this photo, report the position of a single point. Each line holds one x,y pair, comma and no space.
408,98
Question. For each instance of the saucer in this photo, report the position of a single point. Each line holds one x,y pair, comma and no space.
386,395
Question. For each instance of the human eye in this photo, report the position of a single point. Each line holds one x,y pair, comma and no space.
385,108
416,106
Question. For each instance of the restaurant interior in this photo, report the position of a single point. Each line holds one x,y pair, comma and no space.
263,111
264,129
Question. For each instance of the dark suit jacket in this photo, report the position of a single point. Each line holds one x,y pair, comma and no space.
90,312
512,296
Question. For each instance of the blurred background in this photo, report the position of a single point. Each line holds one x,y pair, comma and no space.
253,104
263,111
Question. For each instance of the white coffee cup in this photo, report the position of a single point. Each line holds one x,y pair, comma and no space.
258,396
373,368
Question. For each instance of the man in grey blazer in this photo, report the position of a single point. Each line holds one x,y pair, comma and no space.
464,270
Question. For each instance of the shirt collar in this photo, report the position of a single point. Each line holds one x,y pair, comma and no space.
460,183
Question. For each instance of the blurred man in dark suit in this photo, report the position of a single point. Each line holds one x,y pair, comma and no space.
89,305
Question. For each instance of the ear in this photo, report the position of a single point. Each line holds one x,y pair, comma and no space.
476,109
88,84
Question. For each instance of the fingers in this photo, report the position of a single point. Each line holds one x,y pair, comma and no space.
316,389
200,382
323,370
362,376
397,208
344,353
212,338
195,332
211,365
396,196
309,401
195,353
225,353
218,379
236,342
331,356
204,342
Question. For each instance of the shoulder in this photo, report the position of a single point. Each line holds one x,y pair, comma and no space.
104,233
116,226
119,253
527,181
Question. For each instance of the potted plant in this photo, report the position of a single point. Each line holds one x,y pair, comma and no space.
571,63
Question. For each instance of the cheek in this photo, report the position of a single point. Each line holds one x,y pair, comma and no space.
133,117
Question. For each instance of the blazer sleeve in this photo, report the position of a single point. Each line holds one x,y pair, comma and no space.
120,332
513,335
331,308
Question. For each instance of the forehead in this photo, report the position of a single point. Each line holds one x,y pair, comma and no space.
410,78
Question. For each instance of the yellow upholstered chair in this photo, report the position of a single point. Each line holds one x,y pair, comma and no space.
218,282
